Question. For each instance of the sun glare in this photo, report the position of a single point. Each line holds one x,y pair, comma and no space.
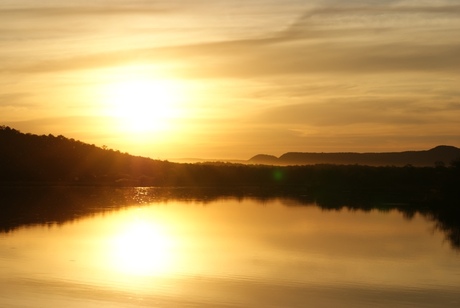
142,104
142,249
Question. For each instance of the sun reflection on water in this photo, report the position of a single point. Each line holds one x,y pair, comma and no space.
142,248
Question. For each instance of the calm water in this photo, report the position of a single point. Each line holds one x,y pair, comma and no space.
228,252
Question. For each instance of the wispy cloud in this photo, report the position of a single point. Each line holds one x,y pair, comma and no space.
350,111
15,99
307,45
33,8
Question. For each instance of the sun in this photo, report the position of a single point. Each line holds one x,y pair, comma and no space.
144,104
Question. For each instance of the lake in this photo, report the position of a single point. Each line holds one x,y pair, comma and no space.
143,247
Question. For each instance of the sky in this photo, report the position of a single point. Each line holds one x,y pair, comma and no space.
231,79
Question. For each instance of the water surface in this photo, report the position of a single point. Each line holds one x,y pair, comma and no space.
229,252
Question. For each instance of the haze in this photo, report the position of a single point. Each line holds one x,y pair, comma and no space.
230,79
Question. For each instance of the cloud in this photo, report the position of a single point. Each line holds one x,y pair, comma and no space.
57,121
382,8
79,10
240,59
15,100
363,110
309,45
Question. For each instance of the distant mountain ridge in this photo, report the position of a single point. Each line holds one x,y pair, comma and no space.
440,155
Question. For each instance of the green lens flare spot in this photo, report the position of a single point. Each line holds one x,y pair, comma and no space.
278,175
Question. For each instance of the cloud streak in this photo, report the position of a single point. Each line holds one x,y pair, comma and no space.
100,9
361,110
304,47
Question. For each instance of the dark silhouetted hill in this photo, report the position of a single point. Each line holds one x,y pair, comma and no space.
439,156
57,159
265,159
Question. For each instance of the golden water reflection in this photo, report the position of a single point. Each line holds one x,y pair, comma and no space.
228,253
230,239
142,248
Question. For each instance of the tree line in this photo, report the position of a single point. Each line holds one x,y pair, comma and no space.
49,159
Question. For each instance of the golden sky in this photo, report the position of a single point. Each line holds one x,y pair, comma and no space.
231,79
